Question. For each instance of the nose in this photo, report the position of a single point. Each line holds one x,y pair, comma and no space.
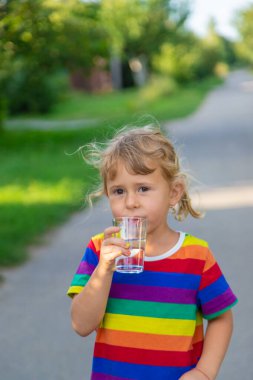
132,201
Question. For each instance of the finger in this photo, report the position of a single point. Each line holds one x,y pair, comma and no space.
115,241
112,255
110,231
113,249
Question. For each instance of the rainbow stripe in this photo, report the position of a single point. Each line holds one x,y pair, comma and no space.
153,324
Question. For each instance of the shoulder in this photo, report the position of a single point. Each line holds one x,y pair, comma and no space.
191,240
195,248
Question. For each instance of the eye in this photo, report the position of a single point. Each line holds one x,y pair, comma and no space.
118,191
143,189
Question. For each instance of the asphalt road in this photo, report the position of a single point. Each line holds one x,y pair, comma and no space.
36,340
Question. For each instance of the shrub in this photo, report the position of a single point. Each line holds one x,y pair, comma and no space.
34,92
157,86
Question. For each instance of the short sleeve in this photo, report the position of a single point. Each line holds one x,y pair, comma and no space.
85,269
215,296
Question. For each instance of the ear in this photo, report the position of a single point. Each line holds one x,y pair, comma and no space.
177,189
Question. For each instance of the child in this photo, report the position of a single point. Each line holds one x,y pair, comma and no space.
150,325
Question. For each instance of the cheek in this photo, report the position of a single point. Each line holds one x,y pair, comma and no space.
159,207
116,207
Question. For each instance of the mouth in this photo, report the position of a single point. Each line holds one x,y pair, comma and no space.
134,217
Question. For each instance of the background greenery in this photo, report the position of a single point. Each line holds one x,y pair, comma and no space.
43,44
41,181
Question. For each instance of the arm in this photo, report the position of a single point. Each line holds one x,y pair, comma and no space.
217,338
88,307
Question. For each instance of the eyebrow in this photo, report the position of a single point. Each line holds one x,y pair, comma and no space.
135,184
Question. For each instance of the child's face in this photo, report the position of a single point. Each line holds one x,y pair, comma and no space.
148,196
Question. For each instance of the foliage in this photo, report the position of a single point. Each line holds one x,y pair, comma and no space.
26,32
177,61
191,58
122,22
39,38
80,38
244,24
141,27
158,86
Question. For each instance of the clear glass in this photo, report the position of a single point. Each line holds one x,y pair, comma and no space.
133,231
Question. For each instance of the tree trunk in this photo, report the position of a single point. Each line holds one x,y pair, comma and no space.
116,72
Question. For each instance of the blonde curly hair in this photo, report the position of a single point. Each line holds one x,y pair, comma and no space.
137,147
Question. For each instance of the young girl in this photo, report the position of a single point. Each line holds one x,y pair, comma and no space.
150,325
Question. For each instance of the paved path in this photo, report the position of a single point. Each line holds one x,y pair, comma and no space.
36,340
47,125
218,144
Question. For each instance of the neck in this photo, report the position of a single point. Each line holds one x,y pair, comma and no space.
162,242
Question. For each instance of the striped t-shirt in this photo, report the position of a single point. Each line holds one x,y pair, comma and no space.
153,324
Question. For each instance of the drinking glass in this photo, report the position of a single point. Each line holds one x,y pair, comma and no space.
133,231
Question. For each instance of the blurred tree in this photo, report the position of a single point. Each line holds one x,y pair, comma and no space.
187,57
137,30
182,59
39,38
28,37
162,22
244,24
6,53
122,22
217,49
81,36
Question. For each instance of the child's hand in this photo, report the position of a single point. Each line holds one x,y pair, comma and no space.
111,248
194,374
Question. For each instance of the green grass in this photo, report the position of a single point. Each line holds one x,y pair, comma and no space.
117,106
41,182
